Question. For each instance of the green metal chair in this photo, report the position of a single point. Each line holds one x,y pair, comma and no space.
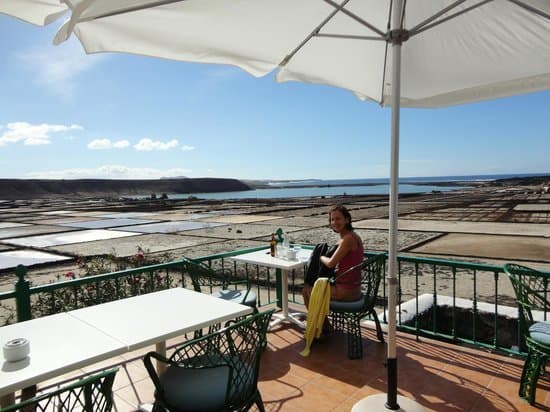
203,276
91,394
216,372
531,288
346,316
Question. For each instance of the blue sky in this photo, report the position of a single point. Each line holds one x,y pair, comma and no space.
64,114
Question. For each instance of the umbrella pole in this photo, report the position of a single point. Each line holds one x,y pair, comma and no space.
391,402
375,402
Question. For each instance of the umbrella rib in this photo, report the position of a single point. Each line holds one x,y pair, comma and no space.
313,33
349,36
422,27
384,75
356,18
531,8
388,26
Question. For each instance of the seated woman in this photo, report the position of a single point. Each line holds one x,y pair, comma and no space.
348,254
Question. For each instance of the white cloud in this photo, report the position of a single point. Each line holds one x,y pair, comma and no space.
32,134
57,68
110,172
149,145
99,144
102,144
121,144
187,148
36,141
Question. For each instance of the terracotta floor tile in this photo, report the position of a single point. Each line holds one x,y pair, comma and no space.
347,404
317,398
283,385
122,406
129,373
504,390
440,376
137,393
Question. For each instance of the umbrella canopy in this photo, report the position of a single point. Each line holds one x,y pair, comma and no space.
39,12
456,52
451,51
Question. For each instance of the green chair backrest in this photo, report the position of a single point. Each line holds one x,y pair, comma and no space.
238,345
204,276
371,276
90,394
209,277
531,290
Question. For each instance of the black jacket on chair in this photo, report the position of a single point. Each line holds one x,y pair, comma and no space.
316,268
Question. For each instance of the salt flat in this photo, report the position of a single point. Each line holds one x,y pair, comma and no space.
9,259
509,248
66,238
30,230
494,228
128,246
486,221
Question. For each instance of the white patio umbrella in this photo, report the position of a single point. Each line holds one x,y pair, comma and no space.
451,52
39,12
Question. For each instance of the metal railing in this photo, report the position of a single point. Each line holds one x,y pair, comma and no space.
461,302
34,301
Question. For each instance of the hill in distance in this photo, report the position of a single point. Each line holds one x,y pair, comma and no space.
18,189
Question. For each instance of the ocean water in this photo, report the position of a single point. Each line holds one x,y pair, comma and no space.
290,192
424,179
338,187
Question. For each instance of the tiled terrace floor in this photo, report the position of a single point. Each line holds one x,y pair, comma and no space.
440,376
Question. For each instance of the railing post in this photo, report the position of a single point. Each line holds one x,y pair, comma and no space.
495,336
278,275
279,287
22,295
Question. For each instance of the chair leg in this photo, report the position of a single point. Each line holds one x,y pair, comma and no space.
522,382
259,402
530,376
379,333
351,325
355,340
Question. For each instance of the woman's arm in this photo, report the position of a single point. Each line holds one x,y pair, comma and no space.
345,246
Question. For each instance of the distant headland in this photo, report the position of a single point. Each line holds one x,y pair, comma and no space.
14,189
23,189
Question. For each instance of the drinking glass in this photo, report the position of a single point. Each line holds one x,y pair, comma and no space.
279,251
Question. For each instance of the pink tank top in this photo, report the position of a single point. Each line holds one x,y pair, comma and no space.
354,257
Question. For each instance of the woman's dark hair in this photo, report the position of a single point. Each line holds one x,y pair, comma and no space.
345,212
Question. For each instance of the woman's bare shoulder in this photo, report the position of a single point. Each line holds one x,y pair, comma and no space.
353,238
